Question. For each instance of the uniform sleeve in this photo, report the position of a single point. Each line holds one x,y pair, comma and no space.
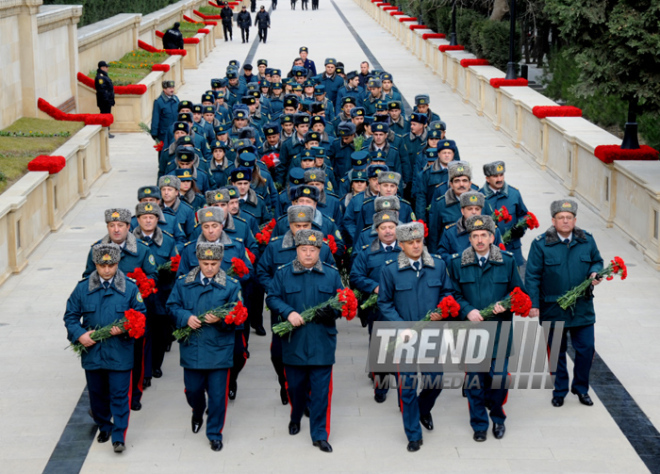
465,305
275,299
444,249
433,240
175,305
596,259
89,267
386,297
184,263
359,275
72,317
264,268
155,119
533,273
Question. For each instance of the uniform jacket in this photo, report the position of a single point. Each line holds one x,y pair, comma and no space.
444,210
164,114
510,197
134,254
455,239
105,91
234,248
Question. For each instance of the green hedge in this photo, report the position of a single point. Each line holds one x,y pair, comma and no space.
97,10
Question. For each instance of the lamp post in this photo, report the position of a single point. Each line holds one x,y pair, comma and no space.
511,66
452,35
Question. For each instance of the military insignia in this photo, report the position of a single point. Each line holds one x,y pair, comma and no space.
312,176
152,260
473,198
115,215
391,176
301,214
138,297
337,234
100,81
187,174
312,238
386,216
208,214
240,175
166,181
232,193
306,191
478,222
208,253
219,197
359,162
148,207
380,154
460,169
447,144
566,205
500,168
387,204
270,130
106,258
147,191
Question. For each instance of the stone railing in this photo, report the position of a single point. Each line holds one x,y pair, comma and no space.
36,204
626,194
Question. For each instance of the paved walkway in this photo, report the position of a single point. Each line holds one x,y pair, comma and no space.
41,382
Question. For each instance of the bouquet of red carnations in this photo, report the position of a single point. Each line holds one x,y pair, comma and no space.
231,313
616,267
133,323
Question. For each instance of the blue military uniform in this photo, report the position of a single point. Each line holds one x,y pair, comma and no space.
184,214
107,364
164,114
456,238
134,254
366,216
445,210
321,222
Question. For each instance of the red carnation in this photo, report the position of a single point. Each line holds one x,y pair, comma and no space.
271,225
349,303
134,324
502,215
426,229
52,164
263,237
269,160
520,302
251,256
332,243
174,266
238,268
449,307
147,286
501,246
531,221
238,315
159,146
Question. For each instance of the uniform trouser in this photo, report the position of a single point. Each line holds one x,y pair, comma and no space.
227,29
300,379
304,4
138,370
110,400
484,397
582,338
240,357
105,109
245,34
161,335
414,406
254,295
214,383
315,4
276,359
274,4
263,33
381,379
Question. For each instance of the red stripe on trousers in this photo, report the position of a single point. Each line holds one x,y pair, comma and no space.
327,413
130,396
288,396
226,402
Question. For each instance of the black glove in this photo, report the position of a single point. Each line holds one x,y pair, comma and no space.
517,232
325,316
589,294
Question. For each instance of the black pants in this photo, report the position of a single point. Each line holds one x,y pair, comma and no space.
304,5
227,29
245,34
263,32
105,109
293,4
315,4
274,4
253,5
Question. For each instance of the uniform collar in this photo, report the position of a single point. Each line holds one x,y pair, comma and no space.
298,267
404,261
469,256
450,197
157,237
287,240
119,282
488,192
130,244
552,237
192,277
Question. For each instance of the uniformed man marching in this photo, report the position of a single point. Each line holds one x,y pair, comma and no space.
207,356
559,259
309,353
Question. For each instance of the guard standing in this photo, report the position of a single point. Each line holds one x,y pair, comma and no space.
263,21
558,260
105,91
173,39
309,352
107,364
244,20
164,113
227,14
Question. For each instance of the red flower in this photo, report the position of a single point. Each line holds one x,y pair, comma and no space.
134,324
618,266
531,221
426,229
238,315
502,246
160,67
271,225
159,147
330,240
543,111
263,237
443,48
174,267
474,62
520,302
251,256
147,286
502,215
502,82
269,160
105,120
205,31
609,153
350,303
449,307
52,164
238,268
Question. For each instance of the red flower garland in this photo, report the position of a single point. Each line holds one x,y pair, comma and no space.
251,256
104,120
433,36
410,18
610,153
502,215
520,302
474,62
204,31
206,17
426,229
238,268
350,303
443,48
131,89
147,286
332,243
418,27
502,82
161,67
238,315
618,265
151,49
543,111
134,324
52,164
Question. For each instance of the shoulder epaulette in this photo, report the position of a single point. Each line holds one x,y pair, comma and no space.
142,242
166,233
83,279
238,239
455,255
331,194
232,279
365,246
539,237
329,265
450,225
369,199
184,202
96,243
282,217
260,197
188,243
273,239
404,201
587,232
387,262
181,276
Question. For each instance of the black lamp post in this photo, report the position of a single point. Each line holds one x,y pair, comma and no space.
511,66
452,35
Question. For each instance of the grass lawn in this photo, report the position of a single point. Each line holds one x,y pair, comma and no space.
132,67
188,30
17,152
209,10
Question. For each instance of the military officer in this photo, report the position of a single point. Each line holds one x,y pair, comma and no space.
166,222
309,352
250,202
342,149
330,80
99,300
105,91
398,121
413,141
482,275
423,106
559,259
185,216
207,356
164,114
435,173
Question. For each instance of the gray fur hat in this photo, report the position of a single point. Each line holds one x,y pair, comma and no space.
480,223
564,205
387,203
147,208
217,196
169,180
409,231
315,174
309,237
211,214
209,251
472,198
300,214
459,168
106,254
389,177
496,167
117,215
386,216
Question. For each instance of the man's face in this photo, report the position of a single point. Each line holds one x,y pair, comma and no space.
299,62
305,201
311,144
169,194
358,186
387,85
252,108
388,189
243,186
104,68
276,78
150,199
375,91
300,79
303,55
357,120
446,156
178,134
347,109
262,69
184,166
413,248
481,240
148,223
169,91
277,92
211,231
354,82
106,271
296,226
209,268
240,123
423,108
564,222
197,117
221,205
460,184
364,68
469,211
329,69
395,114
302,129
272,140
417,128
347,139
287,127
118,231
289,111
373,185
308,255
233,82
387,232
209,117
379,138
317,185
234,207
219,155
497,181
318,126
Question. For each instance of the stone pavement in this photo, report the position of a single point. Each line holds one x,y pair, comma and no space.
42,382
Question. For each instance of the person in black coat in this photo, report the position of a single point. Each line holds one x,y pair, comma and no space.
244,22
253,5
173,39
105,91
226,14
262,20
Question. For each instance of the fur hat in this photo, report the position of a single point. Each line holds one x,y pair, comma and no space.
307,191
117,215
216,196
496,167
148,191
300,214
459,168
147,208
169,180
480,223
565,205
308,237
209,251
387,203
106,253
385,216
389,177
211,214
316,175
409,231
472,198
